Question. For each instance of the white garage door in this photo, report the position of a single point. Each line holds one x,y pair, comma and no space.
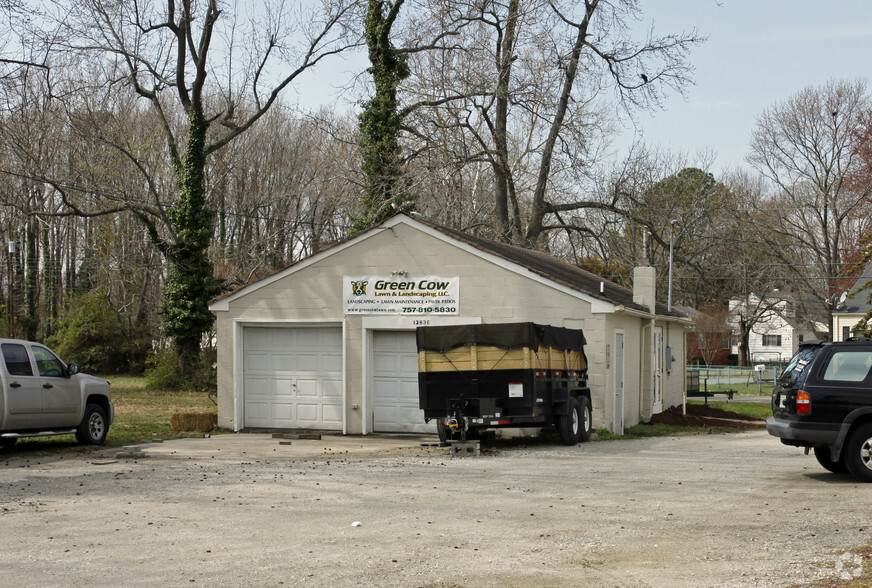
292,378
395,379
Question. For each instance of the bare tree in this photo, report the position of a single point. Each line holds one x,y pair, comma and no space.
809,148
532,75
712,325
208,77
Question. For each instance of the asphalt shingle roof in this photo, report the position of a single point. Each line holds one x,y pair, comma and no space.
537,262
857,301
554,269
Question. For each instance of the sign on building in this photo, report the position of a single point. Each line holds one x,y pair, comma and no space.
403,295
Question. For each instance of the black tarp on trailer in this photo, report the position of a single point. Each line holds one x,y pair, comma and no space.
502,335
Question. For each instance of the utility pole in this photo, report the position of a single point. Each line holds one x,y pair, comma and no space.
671,241
11,259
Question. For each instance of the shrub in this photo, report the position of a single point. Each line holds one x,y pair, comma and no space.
91,334
164,372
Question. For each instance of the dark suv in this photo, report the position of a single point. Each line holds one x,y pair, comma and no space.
823,402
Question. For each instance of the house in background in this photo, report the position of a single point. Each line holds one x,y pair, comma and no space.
328,343
852,307
708,338
781,327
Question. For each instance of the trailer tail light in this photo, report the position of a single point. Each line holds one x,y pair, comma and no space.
803,402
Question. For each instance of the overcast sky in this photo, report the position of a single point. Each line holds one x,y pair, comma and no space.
758,53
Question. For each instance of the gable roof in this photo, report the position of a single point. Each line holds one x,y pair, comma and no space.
538,263
857,302
556,270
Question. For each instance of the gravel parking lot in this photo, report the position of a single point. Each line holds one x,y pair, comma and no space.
712,510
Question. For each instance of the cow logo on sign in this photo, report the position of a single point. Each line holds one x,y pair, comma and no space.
358,287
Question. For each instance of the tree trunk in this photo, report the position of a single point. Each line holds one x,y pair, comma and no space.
31,281
506,228
744,341
380,120
190,279
537,215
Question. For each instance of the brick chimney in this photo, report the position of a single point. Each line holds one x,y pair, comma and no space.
645,285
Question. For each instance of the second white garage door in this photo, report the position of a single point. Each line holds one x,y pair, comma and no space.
293,378
395,381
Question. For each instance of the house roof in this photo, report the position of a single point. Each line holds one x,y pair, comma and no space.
536,262
554,269
857,302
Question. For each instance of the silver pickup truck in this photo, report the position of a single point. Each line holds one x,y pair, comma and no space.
41,395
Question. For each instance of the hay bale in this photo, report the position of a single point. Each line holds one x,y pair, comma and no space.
194,421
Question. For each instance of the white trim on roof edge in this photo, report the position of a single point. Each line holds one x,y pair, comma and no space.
597,306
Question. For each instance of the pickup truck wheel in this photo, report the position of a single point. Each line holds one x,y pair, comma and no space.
823,456
586,419
94,426
858,453
570,424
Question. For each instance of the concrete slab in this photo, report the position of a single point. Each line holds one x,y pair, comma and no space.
265,445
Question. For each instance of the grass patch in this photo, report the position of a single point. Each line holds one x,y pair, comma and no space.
660,430
759,410
141,415
750,389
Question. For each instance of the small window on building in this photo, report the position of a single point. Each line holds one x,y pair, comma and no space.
846,333
772,340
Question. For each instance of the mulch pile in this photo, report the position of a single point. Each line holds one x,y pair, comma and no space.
701,415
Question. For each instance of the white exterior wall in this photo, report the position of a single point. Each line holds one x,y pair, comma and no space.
491,290
774,324
840,321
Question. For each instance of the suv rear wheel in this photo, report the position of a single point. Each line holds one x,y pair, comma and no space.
858,452
825,458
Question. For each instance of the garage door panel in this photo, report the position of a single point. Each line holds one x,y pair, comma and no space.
293,377
387,391
283,411
385,364
308,414
332,389
308,388
257,361
256,339
395,384
386,418
282,362
332,413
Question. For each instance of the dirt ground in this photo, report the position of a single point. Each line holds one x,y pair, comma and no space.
703,415
707,510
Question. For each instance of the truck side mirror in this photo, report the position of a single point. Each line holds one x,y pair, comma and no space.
73,369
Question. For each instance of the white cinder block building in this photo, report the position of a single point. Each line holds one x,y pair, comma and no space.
329,342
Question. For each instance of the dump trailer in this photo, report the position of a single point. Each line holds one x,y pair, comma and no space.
473,378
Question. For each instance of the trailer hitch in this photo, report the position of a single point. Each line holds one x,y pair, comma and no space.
456,426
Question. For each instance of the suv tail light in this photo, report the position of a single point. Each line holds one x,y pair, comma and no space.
803,402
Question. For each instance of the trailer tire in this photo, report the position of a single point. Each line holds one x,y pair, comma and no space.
570,424
586,423
443,431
